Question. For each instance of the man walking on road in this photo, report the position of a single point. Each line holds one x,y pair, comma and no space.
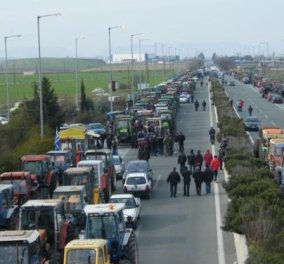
215,164
212,134
250,109
198,179
198,159
181,161
186,181
208,178
207,158
204,105
196,105
173,179
191,160
181,139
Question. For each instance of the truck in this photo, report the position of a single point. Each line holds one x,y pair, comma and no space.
56,229
25,185
106,221
92,251
40,166
21,246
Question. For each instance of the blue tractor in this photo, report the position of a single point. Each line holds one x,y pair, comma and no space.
106,221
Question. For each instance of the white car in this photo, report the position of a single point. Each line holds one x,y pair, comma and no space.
3,120
119,166
139,184
184,98
132,209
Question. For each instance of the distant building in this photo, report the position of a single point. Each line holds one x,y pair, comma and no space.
126,58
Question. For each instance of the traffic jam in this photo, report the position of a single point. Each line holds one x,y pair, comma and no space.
64,206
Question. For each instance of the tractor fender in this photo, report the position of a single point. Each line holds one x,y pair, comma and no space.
63,235
127,234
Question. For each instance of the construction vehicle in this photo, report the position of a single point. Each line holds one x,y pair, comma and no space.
21,246
56,229
40,166
106,156
92,251
8,211
276,158
75,197
101,179
106,221
123,129
25,185
81,176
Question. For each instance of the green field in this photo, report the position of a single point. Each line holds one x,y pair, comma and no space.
21,86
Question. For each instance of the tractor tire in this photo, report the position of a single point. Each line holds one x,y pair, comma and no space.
131,250
114,183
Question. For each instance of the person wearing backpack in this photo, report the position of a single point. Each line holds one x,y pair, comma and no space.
208,178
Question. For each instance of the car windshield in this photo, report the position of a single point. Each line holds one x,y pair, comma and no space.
101,227
129,202
95,126
14,253
73,199
135,180
81,256
19,186
252,120
137,167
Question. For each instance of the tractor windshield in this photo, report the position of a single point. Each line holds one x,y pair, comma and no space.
76,179
75,200
14,253
81,256
33,167
19,186
122,123
101,227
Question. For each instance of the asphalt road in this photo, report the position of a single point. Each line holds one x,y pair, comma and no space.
267,112
184,230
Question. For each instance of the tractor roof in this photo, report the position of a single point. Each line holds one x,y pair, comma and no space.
71,188
98,151
276,140
86,244
88,162
103,208
15,175
19,235
34,157
58,152
4,187
42,203
77,170
269,131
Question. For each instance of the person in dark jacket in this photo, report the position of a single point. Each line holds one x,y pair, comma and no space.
191,160
208,178
173,179
196,105
199,159
181,161
181,139
198,179
212,134
186,174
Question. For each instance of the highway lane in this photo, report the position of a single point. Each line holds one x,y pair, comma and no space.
267,112
184,229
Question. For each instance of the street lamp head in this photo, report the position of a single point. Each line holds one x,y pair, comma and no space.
138,34
80,37
13,36
54,14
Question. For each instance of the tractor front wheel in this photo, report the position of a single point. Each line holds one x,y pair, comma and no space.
131,250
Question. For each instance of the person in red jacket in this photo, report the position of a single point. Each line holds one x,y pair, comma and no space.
207,158
214,165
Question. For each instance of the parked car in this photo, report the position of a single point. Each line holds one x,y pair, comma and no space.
3,120
119,166
184,98
97,128
252,123
132,209
232,83
137,166
277,99
139,184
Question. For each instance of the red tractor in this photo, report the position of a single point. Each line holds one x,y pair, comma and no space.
25,185
41,167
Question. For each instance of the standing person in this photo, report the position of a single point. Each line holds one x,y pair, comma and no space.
207,158
212,134
198,159
196,105
198,179
250,109
204,105
241,104
215,164
208,178
191,160
181,139
186,174
146,154
173,179
221,155
181,161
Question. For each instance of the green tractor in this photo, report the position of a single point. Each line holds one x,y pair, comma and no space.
123,129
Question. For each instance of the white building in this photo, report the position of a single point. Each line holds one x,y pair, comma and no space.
126,58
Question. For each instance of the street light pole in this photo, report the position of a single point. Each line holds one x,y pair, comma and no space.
132,65
164,77
39,73
110,63
140,60
7,81
76,54
155,54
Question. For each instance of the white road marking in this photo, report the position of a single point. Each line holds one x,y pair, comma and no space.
266,116
157,182
250,138
220,239
123,151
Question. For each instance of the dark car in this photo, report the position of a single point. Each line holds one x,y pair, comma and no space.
232,83
277,99
252,123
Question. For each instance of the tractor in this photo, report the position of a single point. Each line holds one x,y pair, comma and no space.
8,211
25,185
75,198
21,246
41,166
56,229
106,221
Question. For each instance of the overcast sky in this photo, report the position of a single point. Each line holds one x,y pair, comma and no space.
227,27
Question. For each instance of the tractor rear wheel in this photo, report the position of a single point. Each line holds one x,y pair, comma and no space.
131,250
